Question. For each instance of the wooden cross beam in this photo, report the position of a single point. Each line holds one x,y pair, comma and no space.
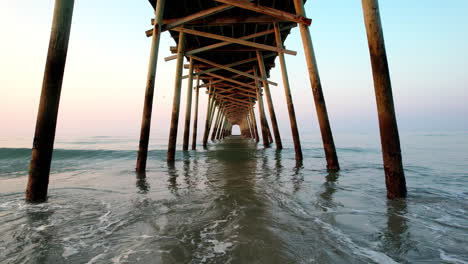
231,80
234,40
268,11
232,65
229,20
235,99
232,102
197,16
221,81
231,70
225,43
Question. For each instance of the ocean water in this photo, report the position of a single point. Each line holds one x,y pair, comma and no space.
237,203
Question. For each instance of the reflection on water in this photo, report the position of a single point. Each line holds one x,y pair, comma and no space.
234,203
396,237
141,182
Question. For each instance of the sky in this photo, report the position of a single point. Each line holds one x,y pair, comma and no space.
105,75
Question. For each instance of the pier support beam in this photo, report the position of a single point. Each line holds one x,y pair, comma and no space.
390,139
41,158
210,108
254,120
261,112
319,99
149,94
271,108
188,110
287,91
176,103
216,123
195,118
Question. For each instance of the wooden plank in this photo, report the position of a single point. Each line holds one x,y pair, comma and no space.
234,40
268,11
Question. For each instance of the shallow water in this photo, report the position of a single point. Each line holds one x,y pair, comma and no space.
237,203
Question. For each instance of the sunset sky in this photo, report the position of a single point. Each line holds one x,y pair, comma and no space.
105,75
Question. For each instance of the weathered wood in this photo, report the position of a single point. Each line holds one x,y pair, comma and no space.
176,103
225,43
231,80
230,20
271,108
223,119
231,69
319,99
149,93
198,15
254,119
41,158
389,136
195,118
234,40
268,11
188,109
208,116
233,65
216,123
289,100
261,112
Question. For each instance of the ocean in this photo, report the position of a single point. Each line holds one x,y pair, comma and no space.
237,202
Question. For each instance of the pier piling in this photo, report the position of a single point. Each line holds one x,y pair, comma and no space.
176,102
149,93
390,139
44,136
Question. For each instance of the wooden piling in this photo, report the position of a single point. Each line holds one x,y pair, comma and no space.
216,124
195,118
287,91
319,99
221,127
208,116
389,136
41,158
149,93
188,110
261,112
271,108
254,119
176,103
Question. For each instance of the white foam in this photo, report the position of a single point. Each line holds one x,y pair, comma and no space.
220,247
450,259
69,251
42,227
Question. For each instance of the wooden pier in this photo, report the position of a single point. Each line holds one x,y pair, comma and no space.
230,46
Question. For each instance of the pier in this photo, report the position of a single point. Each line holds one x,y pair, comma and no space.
228,48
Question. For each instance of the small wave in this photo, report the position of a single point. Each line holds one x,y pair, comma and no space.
450,259
375,256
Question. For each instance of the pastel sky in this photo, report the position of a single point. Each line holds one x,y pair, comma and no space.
105,76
